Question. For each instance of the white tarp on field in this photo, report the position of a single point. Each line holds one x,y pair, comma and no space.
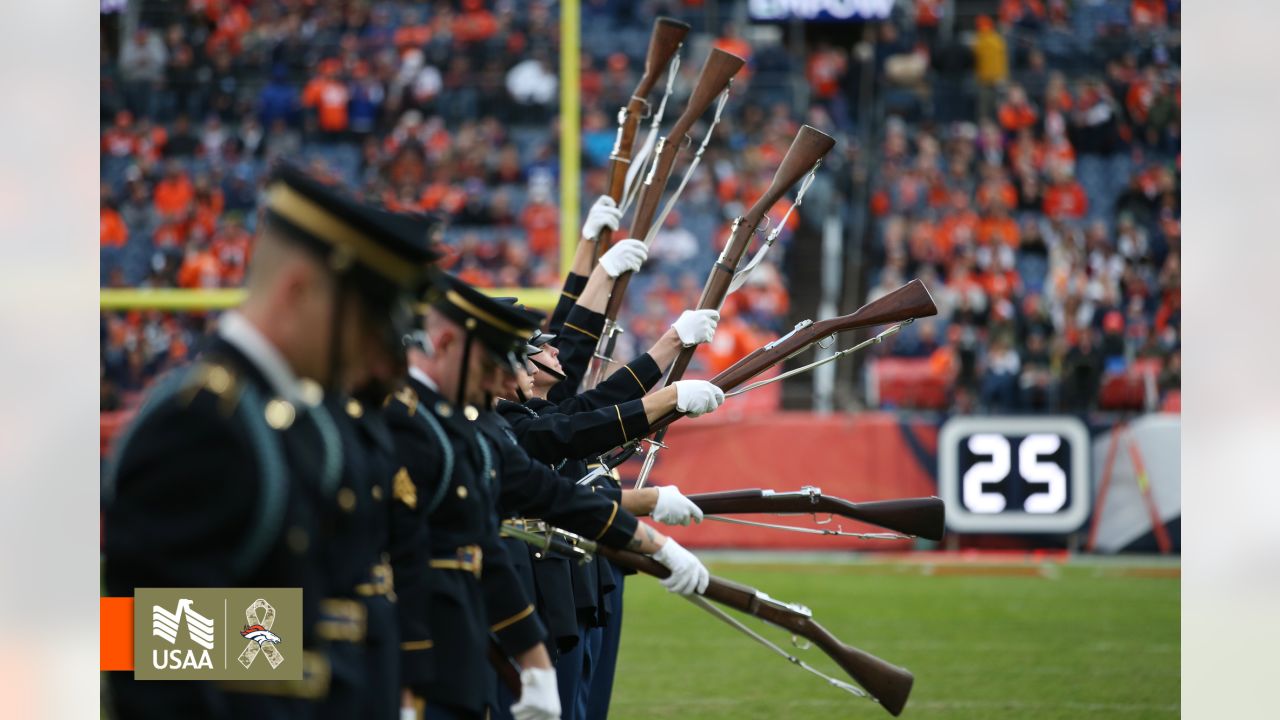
1125,517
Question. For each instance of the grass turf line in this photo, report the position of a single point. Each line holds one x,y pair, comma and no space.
1076,642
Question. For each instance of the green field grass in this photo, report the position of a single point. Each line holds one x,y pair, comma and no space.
1080,640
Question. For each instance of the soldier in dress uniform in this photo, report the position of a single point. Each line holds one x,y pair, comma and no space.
360,540
445,492
586,425
534,497
224,476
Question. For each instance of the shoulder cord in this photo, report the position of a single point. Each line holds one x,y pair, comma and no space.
446,447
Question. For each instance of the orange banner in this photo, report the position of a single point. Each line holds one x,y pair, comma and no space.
115,615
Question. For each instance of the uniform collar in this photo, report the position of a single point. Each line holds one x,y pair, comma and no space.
241,334
424,378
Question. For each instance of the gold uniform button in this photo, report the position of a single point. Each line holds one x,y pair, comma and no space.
311,392
298,540
218,380
347,499
280,414
443,409
462,492
376,492
354,409
471,413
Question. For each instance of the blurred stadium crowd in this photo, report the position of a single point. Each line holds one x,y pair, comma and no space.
1030,177
1027,170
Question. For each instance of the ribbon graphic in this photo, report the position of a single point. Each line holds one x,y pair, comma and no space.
274,658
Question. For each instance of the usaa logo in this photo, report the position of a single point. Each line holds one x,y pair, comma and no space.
168,626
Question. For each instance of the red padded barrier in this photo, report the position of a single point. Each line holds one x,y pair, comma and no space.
857,457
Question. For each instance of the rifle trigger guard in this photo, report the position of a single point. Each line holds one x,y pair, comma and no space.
800,643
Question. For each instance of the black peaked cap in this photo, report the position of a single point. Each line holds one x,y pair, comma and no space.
382,250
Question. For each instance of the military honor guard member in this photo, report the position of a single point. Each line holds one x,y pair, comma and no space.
445,493
227,475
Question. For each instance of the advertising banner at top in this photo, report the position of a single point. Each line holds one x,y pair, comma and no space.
819,10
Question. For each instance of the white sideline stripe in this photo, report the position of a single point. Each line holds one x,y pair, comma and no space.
914,560
918,705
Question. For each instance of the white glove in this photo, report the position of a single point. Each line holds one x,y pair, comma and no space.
674,508
604,213
696,326
688,574
539,695
625,256
697,397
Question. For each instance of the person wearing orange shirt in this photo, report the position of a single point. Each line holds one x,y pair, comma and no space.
1016,112
541,222
733,341
111,229
1065,198
731,42
327,97
475,24
200,268
998,227
232,246
174,194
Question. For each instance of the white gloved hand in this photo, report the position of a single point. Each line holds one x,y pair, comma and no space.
696,326
625,256
604,213
688,574
539,695
697,397
674,508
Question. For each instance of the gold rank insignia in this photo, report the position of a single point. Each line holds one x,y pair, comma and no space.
404,490
354,409
407,396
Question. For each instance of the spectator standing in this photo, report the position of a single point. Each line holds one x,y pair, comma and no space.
278,100
142,69
991,65
1000,377
326,97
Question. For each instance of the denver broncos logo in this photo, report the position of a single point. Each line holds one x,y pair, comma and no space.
260,635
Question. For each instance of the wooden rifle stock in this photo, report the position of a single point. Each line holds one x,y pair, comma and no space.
919,517
809,146
889,684
908,302
502,665
664,43
719,69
